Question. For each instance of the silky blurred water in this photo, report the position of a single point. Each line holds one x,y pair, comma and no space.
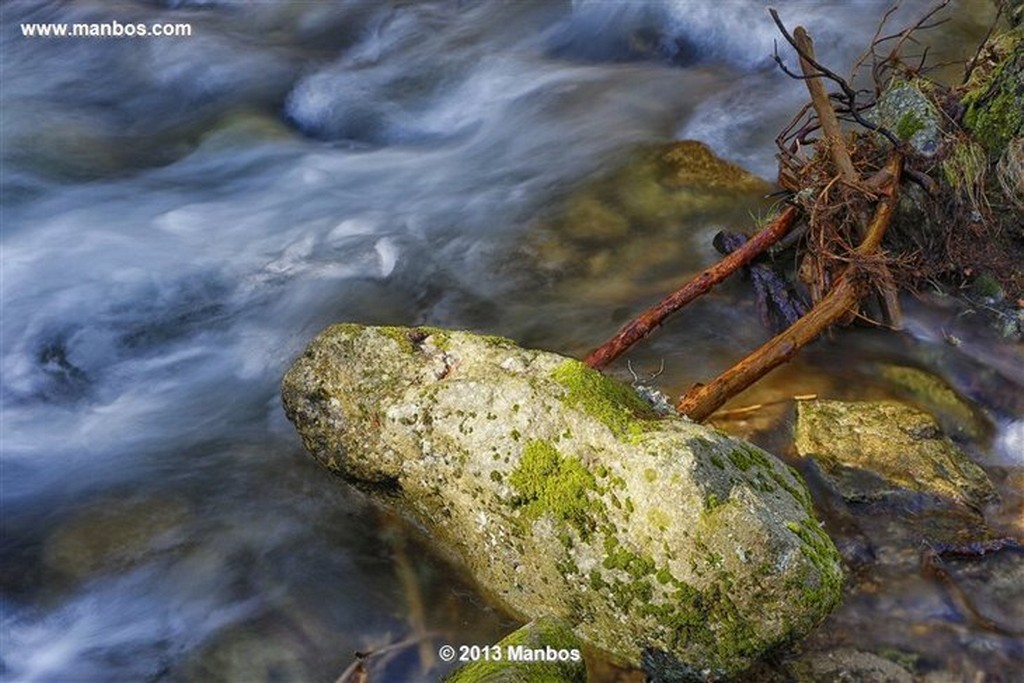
181,216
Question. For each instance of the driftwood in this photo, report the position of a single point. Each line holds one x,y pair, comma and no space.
701,401
646,322
838,302
823,107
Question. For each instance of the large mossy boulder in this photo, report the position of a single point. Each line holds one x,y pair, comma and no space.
565,494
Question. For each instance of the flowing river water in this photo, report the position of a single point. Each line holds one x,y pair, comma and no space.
182,215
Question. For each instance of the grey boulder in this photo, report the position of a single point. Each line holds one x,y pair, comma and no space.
563,493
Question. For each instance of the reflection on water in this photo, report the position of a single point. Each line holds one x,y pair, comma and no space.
180,217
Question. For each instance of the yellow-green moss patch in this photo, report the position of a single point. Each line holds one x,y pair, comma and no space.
995,108
612,403
548,482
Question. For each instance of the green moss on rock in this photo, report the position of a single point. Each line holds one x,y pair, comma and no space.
823,592
619,557
409,338
547,482
908,124
612,403
995,103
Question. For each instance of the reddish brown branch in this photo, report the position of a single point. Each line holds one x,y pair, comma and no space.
704,399
646,322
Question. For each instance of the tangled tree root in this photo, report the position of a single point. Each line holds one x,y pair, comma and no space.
842,199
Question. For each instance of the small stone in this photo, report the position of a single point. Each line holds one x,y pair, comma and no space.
908,113
874,450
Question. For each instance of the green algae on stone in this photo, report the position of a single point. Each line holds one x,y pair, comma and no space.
525,656
561,495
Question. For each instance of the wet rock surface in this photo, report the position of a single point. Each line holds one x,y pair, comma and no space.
564,494
877,450
955,414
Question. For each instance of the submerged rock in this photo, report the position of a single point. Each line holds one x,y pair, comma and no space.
662,195
115,535
543,650
240,654
955,413
846,664
565,495
874,450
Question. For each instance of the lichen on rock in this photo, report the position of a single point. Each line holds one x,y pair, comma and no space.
908,112
564,494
